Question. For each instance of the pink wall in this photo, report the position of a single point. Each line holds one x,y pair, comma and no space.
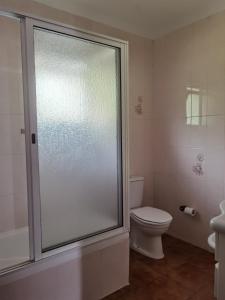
190,64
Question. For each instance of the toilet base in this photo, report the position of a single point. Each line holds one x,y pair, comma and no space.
150,246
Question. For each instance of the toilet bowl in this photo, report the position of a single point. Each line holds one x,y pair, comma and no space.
147,223
147,226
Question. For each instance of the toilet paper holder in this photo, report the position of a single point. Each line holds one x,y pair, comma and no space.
188,210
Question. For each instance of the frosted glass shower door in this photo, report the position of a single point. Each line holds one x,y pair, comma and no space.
79,138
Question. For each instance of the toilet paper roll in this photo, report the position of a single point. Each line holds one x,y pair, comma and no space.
190,211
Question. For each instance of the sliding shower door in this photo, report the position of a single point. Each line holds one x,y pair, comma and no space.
78,135
63,162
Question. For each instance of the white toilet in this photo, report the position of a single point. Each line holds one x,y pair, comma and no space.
147,223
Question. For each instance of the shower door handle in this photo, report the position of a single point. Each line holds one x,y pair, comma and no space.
33,138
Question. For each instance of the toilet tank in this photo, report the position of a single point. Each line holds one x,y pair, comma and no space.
136,188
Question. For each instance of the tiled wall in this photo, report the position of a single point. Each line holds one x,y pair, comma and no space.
189,107
140,123
13,208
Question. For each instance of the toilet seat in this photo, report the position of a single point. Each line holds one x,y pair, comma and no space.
151,215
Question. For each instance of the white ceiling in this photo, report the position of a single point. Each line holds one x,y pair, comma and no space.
149,18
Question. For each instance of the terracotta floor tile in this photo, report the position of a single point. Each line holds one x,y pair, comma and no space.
142,275
206,293
190,276
167,288
163,289
186,273
204,261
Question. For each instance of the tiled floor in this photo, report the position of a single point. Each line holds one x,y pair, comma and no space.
186,273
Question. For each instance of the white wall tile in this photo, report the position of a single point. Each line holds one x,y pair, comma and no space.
20,210
11,100
7,213
6,175
191,58
5,135
17,138
19,175
215,132
10,37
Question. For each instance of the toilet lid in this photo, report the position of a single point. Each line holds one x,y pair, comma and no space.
152,214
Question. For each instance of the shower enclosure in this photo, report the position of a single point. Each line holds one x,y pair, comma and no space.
63,158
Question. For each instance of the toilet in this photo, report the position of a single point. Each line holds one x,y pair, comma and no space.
147,223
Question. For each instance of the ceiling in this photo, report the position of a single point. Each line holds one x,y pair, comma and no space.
149,18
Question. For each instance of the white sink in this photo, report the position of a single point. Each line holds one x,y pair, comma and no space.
212,241
218,223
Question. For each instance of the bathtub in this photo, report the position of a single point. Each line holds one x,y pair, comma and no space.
14,247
